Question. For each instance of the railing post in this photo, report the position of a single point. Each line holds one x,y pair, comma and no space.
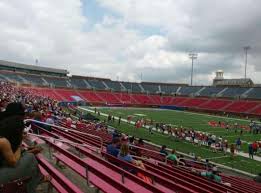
101,144
78,150
87,175
153,180
50,153
122,178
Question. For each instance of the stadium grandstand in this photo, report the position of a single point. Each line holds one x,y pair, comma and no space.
70,152
224,96
130,96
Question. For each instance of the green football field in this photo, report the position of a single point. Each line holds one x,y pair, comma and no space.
196,121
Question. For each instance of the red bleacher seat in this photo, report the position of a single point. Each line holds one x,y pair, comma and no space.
241,106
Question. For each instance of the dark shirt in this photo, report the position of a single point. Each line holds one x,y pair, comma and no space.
162,151
112,150
258,179
250,149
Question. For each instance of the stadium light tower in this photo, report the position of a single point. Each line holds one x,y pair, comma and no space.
246,48
192,56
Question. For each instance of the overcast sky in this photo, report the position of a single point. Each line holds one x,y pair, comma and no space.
124,38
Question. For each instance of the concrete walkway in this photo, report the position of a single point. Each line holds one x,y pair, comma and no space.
257,158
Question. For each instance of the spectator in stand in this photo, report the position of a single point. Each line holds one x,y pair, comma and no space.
124,154
212,175
50,121
163,150
13,163
113,148
68,121
173,157
250,151
116,134
209,166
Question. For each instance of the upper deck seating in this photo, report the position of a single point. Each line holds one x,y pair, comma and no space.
11,76
113,85
57,82
187,90
255,93
78,83
234,92
151,88
210,91
168,88
33,79
131,86
97,84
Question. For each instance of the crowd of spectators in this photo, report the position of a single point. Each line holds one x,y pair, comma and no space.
17,104
17,162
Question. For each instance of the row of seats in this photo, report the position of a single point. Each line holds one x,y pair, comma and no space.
237,184
98,170
144,87
120,98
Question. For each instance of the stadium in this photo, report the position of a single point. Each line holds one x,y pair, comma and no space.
132,96
199,122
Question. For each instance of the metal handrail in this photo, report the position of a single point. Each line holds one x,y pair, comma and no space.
60,140
142,148
66,129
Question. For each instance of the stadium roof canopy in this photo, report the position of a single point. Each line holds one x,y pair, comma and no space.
233,82
32,68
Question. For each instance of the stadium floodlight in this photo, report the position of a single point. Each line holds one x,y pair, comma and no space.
192,56
246,48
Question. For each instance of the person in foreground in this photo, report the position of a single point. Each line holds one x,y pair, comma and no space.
125,156
113,148
173,157
13,163
211,175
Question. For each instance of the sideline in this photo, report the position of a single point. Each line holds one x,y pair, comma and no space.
181,153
